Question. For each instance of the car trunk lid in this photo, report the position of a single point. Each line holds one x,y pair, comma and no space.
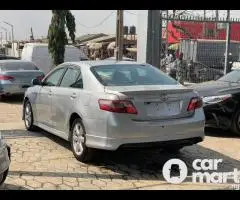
23,76
156,102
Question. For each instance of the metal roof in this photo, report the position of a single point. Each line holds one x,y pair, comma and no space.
88,37
102,39
110,38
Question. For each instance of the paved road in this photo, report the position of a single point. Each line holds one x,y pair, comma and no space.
43,161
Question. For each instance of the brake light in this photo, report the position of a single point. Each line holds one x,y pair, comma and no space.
6,78
40,77
195,103
117,106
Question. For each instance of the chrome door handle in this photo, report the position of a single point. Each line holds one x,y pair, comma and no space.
74,96
50,93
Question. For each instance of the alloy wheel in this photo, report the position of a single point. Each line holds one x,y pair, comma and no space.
78,139
28,115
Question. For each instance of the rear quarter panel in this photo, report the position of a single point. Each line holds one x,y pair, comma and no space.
95,120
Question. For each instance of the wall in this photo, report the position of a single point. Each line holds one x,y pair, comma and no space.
142,35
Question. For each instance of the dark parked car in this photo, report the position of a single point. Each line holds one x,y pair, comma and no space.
195,72
198,72
222,101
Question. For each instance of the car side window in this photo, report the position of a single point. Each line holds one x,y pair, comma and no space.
54,78
79,82
70,77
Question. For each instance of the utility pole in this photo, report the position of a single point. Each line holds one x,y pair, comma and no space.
166,46
217,17
31,37
12,37
1,39
149,38
154,37
5,33
228,40
204,24
119,35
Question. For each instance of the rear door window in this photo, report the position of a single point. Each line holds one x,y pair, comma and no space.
54,78
70,77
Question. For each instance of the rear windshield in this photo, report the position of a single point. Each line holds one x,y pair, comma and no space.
17,66
129,74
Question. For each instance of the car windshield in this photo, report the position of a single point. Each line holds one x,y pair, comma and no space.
131,74
17,66
233,76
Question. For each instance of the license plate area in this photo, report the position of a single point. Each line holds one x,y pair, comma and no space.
162,109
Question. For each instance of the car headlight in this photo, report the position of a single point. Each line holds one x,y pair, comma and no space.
216,99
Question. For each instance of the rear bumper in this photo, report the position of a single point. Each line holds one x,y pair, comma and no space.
4,158
150,132
182,142
8,89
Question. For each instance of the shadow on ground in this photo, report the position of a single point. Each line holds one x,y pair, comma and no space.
216,132
12,187
137,164
14,99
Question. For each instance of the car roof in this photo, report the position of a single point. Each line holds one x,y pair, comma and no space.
104,62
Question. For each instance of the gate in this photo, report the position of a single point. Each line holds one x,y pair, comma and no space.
195,47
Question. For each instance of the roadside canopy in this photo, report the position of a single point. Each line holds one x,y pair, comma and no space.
95,46
112,45
132,50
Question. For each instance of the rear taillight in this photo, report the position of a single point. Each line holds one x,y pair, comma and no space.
40,77
195,103
6,78
117,106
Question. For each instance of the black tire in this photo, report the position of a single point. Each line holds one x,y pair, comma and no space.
173,149
30,126
3,177
86,154
235,127
2,97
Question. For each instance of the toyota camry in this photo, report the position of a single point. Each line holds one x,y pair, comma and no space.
111,105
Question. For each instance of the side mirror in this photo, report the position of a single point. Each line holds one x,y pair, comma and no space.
36,82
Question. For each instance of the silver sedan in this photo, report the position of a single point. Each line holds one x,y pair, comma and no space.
16,76
111,105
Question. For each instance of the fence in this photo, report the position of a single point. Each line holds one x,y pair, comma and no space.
201,42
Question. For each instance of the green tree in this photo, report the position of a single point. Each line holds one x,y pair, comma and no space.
57,37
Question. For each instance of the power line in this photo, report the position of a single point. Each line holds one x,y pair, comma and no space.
99,24
131,13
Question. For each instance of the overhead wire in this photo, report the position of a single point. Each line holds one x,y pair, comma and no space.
99,24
